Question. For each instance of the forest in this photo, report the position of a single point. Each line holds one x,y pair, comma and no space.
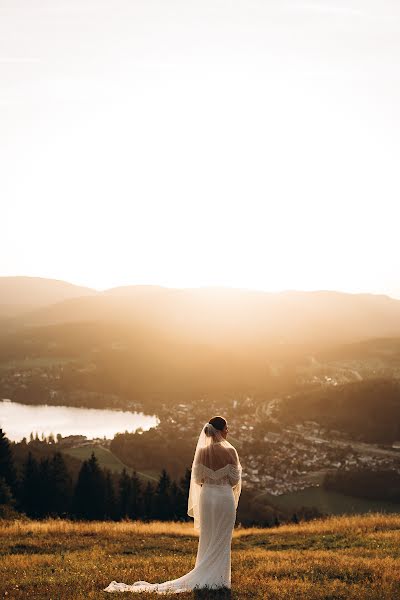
367,411
42,482
365,483
45,488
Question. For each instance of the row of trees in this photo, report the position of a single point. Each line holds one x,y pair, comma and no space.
365,483
45,488
367,410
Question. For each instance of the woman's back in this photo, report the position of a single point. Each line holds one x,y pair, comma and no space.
217,465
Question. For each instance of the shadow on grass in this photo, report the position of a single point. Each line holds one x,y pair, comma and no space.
210,594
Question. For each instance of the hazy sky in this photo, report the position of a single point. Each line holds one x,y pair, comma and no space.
247,143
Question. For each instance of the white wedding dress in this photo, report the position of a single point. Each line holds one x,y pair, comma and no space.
219,491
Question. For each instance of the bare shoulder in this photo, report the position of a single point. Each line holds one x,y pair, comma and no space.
233,453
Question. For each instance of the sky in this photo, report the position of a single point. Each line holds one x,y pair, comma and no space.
241,143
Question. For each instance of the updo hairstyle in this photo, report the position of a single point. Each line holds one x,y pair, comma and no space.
217,422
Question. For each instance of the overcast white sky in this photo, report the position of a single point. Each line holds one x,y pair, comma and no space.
246,143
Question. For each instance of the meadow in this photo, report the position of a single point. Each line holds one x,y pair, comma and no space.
108,460
339,558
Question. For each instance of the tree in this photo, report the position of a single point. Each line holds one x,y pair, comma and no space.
178,502
7,468
125,494
148,501
90,491
136,508
163,508
111,511
5,493
29,501
185,483
60,485
295,518
44,491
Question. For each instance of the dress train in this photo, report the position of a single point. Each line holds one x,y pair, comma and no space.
213,561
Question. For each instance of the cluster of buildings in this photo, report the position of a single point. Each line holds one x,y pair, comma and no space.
284,459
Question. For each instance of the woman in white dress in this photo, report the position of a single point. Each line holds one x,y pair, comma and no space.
215,487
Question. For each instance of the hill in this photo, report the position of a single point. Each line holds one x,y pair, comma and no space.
210,315
341,558
107,460
159,345
20,295
367,410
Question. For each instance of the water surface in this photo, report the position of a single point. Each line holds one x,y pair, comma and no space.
19,420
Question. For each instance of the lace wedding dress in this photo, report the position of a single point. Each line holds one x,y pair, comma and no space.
213,499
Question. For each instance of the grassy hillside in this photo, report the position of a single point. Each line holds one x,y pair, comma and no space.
341,558
107,460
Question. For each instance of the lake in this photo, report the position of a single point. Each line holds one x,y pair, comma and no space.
19,420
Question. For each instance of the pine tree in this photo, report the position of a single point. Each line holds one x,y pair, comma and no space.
148,501
5,493
178,502
185,483
99,487
29,501
82,493
7,468
90,491
295,518
136,508
163,507
124,495
111,511
61,485
185,486
44,492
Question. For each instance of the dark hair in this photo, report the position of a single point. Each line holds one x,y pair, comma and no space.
218,422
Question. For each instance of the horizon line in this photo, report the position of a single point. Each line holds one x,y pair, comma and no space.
200,287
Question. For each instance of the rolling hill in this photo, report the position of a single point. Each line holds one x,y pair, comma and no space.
210,315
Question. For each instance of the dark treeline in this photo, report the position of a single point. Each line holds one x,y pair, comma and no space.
45,488
367,410
365,483
51,486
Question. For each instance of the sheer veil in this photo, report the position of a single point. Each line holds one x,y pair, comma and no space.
214,452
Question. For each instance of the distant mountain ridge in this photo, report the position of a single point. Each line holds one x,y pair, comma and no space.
21,294
205,314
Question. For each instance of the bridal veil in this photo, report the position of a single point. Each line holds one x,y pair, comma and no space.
213,455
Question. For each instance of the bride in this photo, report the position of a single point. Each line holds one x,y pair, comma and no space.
215,487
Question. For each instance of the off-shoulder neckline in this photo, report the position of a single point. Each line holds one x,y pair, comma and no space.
220,469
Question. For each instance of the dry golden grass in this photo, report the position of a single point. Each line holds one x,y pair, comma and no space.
340,558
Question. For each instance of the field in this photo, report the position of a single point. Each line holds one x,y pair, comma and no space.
107,460
340,558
